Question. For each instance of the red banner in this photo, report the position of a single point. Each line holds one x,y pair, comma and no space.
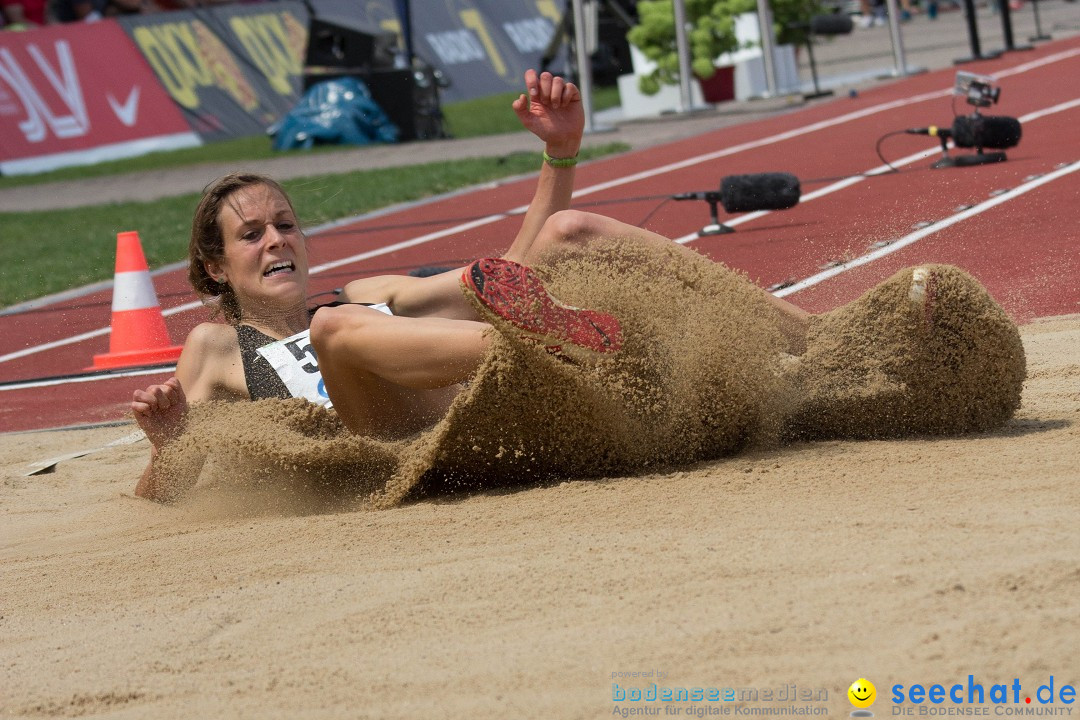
79,94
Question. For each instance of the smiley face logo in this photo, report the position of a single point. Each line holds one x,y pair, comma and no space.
862,693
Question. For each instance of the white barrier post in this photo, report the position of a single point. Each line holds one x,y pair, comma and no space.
765,31
584,64
682,47
900,66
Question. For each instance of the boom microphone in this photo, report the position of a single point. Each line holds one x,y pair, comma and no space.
759,191
977,131
746,193
986,131
932,131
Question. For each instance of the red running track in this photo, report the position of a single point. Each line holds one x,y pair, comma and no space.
1023,244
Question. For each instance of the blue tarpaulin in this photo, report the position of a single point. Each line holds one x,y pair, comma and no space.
338,111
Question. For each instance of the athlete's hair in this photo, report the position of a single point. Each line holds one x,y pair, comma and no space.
207,242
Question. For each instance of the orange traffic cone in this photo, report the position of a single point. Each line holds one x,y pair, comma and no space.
139,336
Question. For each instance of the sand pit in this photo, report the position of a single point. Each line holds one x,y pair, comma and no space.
703,372
902,561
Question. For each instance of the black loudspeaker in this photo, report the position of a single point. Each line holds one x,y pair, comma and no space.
334,44
395,93
343,46
410,101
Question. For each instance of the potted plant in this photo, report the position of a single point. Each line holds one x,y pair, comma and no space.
711,33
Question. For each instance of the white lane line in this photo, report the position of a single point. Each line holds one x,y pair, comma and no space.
1067,105
415,241
1024,67
170,369
849,117
820,192
856,115
54,344
801,285
671,167
924,232
879,170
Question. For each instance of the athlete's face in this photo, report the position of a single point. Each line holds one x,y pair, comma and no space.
265,259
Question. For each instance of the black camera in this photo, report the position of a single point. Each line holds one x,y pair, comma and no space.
978,90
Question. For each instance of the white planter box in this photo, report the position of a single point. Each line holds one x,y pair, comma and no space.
750,74
636,104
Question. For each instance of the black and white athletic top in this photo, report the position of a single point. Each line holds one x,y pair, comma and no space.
261,380
285,368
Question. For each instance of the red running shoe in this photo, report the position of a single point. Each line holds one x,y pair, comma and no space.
516,294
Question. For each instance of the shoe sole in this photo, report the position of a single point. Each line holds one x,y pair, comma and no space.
514,293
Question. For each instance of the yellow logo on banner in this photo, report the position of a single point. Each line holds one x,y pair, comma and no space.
275,42
187,56
475,22
550,10
383,14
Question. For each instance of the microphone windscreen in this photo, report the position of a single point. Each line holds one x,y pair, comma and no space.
987,131
759,191
831,24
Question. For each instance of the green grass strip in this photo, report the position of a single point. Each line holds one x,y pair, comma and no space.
45,252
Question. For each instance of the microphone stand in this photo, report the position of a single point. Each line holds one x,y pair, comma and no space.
714,198
1039,34
809,30
945,160
973,37
818,92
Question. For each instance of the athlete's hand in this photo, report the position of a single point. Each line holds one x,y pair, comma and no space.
552,111
160,410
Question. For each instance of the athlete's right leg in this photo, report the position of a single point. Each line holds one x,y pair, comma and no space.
392,376
572,230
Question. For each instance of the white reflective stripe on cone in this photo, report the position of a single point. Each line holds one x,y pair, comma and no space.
133,291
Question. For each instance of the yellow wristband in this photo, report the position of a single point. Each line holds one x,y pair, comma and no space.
560,162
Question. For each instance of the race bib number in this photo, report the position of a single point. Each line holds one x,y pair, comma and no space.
293,359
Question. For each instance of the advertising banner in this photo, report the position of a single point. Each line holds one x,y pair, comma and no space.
482,46
79,94
232,70
271,39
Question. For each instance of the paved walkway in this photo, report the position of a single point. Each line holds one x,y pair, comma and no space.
862,59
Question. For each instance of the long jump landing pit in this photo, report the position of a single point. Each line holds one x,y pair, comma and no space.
908,561
918,561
